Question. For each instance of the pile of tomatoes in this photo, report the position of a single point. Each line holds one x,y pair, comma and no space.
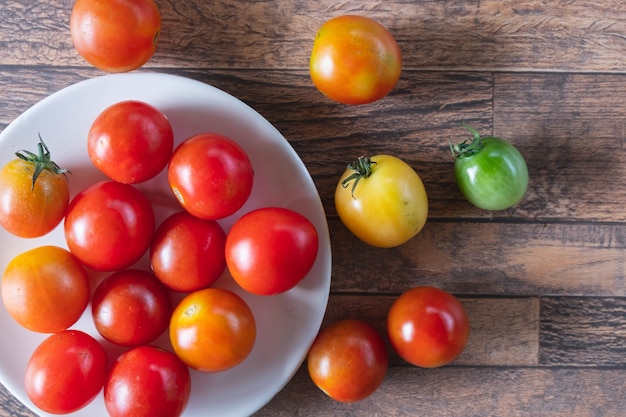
108,227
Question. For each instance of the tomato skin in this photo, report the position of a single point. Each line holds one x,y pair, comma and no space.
31,212
65,372
115,35
270,250
388,207
109,225
495,177
130,141
355,60
428,327
222,176
187,253
131,308
348,360
147,381
45,289
212,330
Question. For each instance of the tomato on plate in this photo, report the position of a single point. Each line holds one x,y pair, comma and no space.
348,360
65,372
270,250
187,253
381,200
355,60
34,193
212,330
147,381
131,308
130,141
45,289
210,175
109,225
490,172
428,327
115,35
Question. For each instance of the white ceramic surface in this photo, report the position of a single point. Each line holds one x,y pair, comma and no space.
287,323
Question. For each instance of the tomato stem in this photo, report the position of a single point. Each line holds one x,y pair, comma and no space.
362,168
465,149
42,161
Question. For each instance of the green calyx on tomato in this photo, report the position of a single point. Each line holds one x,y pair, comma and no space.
362,168
42,161
490,172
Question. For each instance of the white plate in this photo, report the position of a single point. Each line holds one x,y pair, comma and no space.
287,323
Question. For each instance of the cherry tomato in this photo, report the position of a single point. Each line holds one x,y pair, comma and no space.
109,225
187,253
490,172
131,308
65,372
210,175
355,60
427,327
348,360
115,35
34,193
270,250
147,381
382,200
212,330
130,141
45,289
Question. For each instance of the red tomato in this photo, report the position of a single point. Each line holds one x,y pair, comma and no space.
147,381
115,35
210,175
34,194
131,308
348,360
270,250
187,253
109,225
130,141
45,289
355,60
428,327
66,372
212,330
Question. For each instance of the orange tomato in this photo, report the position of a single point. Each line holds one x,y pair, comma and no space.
212,330
115,35
45,289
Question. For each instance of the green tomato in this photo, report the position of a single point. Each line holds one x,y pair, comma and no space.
490,172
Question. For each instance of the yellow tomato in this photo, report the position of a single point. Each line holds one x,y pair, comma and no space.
382,200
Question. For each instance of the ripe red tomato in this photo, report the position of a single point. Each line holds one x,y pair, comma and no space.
65,372
130,141
212,330
187,253
348,360
115,35
147,381
131,308
270,250
45,289
355,60
109,225
34,193
428,327
210,175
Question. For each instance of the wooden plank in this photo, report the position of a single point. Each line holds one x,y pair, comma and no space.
564,35
11,407
583,331
504,331
467,392
571,129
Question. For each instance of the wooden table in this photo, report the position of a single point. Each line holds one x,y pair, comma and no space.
543,283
